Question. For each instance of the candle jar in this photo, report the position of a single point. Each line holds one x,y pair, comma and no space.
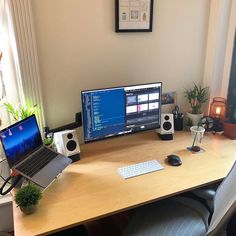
218,108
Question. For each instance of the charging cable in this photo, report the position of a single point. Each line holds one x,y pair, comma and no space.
15,179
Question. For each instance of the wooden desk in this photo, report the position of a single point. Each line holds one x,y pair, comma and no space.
91,188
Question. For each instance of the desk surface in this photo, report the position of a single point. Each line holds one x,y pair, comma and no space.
91,188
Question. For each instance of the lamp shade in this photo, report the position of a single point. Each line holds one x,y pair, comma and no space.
218,108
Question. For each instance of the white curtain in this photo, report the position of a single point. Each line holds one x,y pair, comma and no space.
20,60
8,71
220,40
9,63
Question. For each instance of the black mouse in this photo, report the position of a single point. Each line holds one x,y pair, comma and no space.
174,160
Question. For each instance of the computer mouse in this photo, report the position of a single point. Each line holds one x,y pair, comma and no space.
174,160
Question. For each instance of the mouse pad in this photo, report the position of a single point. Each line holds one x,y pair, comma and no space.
190,149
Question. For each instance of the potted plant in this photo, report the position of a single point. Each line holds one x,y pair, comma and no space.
20,112
27,198
48,141
196,97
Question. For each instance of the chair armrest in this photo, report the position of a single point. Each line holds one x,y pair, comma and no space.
206,194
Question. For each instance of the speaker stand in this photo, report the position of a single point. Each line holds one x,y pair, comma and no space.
75,157
166,136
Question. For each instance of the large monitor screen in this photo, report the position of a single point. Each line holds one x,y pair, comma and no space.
115,111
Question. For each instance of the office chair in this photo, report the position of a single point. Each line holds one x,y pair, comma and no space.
182,216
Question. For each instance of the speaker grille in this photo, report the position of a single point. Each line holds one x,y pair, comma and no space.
167,126
71,145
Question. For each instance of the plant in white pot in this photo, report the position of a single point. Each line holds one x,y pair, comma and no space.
196,96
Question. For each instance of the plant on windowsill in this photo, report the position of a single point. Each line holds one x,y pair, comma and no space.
20,112
196,97
27,198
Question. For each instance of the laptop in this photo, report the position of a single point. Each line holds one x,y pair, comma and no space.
27,155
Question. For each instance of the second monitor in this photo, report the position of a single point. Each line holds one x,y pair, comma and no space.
121,110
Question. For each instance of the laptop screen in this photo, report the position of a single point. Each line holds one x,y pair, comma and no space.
20,139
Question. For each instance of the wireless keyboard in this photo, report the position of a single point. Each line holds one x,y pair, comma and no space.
139,169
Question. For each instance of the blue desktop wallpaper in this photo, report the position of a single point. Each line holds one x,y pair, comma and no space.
20,140
104,113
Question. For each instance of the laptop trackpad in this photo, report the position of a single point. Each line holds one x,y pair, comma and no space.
45,176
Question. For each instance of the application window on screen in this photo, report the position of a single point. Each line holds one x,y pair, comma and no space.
114,111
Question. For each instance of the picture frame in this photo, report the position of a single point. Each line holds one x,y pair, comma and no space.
133,15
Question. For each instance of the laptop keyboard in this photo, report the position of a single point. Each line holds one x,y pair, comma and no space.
36,162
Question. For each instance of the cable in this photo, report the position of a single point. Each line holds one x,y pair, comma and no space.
1,167
4,179
14,180
17,179
1,171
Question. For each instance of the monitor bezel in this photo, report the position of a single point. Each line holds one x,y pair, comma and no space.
128,133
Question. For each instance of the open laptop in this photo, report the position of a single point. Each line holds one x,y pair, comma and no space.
27,155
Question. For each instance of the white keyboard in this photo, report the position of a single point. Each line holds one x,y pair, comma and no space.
139,169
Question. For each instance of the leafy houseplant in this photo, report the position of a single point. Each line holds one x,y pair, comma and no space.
48,141
196,97
27,198
20,112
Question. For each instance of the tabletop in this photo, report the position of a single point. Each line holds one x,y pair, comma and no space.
92,188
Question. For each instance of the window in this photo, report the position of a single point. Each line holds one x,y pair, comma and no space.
232,88
3,167
3,117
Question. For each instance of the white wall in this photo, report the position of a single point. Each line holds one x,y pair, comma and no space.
78,49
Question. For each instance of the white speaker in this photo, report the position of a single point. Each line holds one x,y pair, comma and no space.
167,126
67,144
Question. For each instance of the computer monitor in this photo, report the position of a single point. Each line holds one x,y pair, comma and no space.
121,110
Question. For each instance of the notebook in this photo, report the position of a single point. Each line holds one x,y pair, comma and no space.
27,155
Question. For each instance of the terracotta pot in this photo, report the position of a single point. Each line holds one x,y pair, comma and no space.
28,210
230,130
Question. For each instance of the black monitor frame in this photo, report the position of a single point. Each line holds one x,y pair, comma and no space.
125,133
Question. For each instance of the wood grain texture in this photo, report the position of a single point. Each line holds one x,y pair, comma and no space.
91,188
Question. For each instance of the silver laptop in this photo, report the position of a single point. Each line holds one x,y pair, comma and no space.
27,155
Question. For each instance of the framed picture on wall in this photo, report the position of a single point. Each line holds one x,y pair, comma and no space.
133,15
